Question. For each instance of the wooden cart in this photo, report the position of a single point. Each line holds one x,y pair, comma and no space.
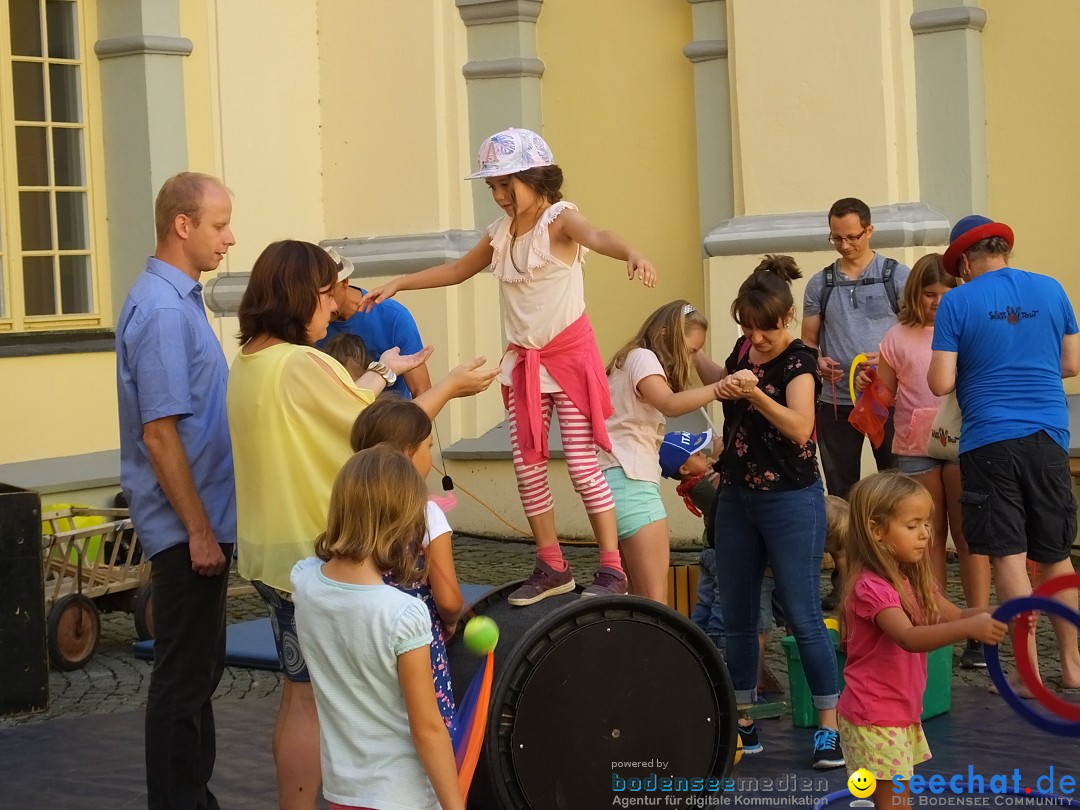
92,561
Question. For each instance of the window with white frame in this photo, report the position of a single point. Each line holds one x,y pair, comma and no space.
46,234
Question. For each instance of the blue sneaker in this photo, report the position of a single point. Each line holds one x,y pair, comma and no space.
827,751
749,737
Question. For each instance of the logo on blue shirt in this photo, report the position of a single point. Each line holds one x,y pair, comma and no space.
1012,315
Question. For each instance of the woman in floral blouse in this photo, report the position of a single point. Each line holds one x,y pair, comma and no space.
771,507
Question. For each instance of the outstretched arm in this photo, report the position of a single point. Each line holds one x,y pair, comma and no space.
655,390
573,225
465,380
894,623
444,275
708,369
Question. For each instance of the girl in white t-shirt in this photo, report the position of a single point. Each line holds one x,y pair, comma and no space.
903,363
383,743
536,251
650,380
403,425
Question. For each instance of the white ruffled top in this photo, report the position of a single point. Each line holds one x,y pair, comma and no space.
541,300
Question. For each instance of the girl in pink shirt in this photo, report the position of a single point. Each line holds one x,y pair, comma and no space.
902,367
893,614
536,250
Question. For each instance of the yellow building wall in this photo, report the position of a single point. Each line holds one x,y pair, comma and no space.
267,100
200,74
394,117
58,405
819,110
1032,71
618,113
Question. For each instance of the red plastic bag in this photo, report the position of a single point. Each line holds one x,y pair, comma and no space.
871,410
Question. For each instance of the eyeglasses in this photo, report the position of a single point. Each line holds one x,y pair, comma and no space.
850,240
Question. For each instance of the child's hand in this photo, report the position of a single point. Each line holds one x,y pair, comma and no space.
862,379
986,629
377,296
637,266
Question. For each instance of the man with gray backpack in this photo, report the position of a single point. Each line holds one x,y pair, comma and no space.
847,309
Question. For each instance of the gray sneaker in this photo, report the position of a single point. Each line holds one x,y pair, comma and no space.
544,581
607,582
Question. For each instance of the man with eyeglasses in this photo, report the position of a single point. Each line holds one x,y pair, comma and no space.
847,309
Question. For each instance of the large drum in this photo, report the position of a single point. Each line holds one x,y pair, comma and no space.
594,697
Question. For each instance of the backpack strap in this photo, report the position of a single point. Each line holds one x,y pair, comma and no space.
887,275
826,290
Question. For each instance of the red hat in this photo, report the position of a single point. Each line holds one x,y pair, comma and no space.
967,232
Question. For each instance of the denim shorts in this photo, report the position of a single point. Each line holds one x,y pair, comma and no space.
917,465
283,620
637,503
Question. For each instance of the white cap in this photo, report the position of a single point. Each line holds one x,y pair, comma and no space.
511,151
344,265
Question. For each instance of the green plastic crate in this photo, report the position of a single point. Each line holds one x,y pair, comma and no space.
937,699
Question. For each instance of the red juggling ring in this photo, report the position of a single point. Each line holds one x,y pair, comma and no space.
1048,700
1067,719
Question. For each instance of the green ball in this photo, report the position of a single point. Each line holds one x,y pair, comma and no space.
481,635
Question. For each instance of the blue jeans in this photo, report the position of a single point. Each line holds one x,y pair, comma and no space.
786,530
707,614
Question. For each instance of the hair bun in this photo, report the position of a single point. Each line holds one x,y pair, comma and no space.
783,266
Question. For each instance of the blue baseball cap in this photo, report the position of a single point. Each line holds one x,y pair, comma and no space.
677,447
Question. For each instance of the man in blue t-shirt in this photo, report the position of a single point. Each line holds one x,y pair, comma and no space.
388,325
1003,341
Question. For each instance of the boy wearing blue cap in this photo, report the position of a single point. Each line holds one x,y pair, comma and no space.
682,457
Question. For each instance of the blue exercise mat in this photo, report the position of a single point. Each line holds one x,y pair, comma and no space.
247,644
251,644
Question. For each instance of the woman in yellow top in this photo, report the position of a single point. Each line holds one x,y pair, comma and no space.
291,408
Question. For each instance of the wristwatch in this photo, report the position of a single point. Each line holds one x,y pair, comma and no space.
383,371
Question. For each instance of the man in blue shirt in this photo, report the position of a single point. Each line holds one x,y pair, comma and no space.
177,474
388,325
1003,341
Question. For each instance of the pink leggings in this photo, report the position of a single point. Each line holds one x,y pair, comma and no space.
580,449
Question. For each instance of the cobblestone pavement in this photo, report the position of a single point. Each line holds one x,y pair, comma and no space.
115,681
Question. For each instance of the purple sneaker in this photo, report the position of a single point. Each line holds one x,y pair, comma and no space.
607,582
544,581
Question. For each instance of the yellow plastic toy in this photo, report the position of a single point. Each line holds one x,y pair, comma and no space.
859,359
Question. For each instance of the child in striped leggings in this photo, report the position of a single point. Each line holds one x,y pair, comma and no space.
536,251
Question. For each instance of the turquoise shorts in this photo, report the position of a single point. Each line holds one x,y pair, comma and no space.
637,503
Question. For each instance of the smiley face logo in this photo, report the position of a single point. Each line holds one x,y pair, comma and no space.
861,783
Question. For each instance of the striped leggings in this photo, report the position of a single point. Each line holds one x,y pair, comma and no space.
580,449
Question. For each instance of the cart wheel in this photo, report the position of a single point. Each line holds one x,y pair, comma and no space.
144,613
74,630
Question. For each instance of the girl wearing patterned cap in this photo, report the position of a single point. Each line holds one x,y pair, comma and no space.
536,250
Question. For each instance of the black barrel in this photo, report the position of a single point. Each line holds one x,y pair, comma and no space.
593,697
